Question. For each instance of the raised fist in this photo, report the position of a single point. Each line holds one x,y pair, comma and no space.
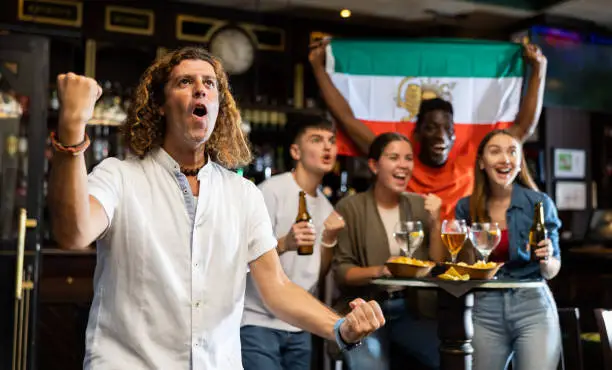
77,96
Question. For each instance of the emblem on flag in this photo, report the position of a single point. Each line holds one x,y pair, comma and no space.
411,91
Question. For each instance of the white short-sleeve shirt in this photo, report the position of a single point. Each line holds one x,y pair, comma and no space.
170,279
281,194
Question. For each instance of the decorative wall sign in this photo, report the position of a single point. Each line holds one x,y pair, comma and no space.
196,29
56,12
267,38
201,29
129,20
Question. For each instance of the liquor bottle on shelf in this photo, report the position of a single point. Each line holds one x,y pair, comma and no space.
127,99
100,143
120,149
264,120
9,175
268,163
116,114
280,159
342,190
282,121
274,121
256,120
22,180
54,101
247,118
105,142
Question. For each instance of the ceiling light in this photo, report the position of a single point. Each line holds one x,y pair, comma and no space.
345,13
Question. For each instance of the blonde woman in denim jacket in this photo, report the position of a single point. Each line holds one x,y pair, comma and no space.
518,325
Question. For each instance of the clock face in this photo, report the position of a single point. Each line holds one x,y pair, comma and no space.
235,49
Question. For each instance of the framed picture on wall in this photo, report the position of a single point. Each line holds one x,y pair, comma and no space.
569,163
571,195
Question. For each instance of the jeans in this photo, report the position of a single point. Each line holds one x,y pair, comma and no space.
408,334
521,325
271,349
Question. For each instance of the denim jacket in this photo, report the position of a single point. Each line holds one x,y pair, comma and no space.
519,218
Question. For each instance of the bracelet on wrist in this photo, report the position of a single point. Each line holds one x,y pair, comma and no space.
331,245
70,149
344,347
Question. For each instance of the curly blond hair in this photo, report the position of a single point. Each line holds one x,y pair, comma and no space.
145,127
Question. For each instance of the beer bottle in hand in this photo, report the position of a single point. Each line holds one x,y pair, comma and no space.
303,215
538,232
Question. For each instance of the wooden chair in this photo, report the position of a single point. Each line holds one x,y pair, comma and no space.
604,324
571,356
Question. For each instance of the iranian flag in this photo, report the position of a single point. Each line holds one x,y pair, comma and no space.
385,82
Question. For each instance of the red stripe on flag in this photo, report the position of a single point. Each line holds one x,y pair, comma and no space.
465,132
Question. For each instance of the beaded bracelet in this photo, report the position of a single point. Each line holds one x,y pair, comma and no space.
70,149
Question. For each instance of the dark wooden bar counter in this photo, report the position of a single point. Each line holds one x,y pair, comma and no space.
66,291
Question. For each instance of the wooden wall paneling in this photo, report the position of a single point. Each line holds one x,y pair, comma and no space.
601,135
567,129
8,11
66,291
123,63
67,55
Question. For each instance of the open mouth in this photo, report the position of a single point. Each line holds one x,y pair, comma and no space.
327,157
503,171
399,176
438,148
199,110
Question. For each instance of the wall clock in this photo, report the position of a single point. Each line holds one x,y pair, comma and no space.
235,48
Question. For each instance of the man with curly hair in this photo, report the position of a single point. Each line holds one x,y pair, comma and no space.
177,232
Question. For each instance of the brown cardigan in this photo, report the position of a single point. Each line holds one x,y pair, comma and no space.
363,243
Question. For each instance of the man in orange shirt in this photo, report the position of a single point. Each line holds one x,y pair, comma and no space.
444,161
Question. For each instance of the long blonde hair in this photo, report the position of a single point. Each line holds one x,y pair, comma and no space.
145,127
482,190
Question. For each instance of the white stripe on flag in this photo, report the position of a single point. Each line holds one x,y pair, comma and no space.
475,100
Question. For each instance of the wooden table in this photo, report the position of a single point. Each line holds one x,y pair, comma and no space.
455,302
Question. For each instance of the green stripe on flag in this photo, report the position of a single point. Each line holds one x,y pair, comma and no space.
428,58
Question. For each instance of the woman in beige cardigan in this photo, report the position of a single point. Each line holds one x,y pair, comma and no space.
367,243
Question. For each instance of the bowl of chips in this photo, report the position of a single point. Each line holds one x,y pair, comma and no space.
478,271
408,267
